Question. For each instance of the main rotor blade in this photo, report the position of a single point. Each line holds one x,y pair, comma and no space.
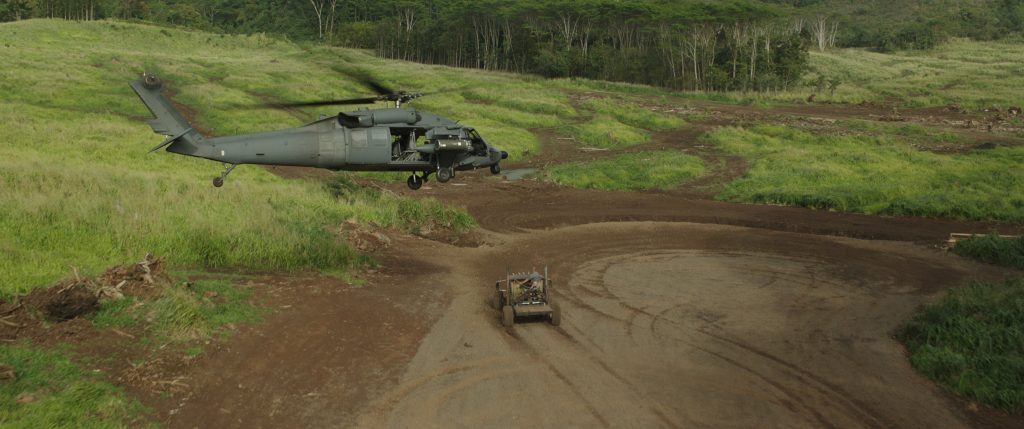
364,77
366,100
373,84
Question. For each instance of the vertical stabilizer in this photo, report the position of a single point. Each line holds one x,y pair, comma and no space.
181,137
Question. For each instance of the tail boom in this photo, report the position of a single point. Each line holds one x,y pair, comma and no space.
181,137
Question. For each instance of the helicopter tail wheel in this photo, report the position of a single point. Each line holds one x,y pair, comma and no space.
219,181
444,174
414,182
495,169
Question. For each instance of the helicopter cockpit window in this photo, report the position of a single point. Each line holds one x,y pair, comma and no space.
479,147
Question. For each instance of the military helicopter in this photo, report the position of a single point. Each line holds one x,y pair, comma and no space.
359,140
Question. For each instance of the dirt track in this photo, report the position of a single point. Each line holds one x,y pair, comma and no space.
682,325
666,324
678,312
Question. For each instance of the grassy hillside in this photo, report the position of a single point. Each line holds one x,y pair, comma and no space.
77,187
974,75
873,175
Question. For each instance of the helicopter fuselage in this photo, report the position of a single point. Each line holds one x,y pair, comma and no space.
393,139
327,143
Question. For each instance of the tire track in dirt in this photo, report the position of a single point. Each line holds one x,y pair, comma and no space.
834,397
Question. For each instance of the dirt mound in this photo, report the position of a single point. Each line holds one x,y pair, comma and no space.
364,238
135,279
64,302
76,297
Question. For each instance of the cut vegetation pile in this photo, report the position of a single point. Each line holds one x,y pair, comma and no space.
30,316
138,310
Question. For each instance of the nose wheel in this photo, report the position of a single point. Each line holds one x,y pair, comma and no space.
495,169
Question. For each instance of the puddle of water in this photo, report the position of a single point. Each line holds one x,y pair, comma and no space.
519,173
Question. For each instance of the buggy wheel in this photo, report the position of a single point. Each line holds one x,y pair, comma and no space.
508,317
556,315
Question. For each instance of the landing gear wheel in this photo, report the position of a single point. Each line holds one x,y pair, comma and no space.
556,315
219,181
414,182
495,169
507,316
444,174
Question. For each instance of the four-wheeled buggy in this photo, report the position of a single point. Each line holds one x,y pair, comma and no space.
525,295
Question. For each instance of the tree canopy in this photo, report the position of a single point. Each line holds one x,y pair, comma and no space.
692,44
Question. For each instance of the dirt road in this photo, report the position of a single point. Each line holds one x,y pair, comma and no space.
682,325
666,324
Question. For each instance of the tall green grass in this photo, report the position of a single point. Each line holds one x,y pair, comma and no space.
1008,252
630,172
972,341
77,188
186,313
969,73
972,74
906,131
528,97
604,131
873,175
57,393
632,114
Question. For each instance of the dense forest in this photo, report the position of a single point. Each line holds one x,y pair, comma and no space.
689,44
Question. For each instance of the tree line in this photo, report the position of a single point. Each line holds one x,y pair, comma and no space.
749,45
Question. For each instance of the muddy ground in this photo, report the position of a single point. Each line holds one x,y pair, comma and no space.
678,311
665,324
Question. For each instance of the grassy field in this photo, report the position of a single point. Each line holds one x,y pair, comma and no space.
181,313
1008,252
78,189
617,123
630,172
972,341
53,392
873,175
974,75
